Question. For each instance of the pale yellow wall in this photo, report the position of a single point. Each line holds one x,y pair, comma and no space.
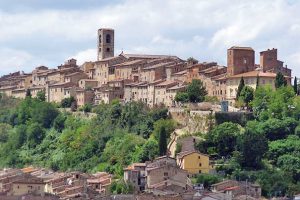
195,163
160,95
21,189
56,94
233,84
19,94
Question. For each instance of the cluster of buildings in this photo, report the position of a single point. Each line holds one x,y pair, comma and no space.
152,79
36,183
166,176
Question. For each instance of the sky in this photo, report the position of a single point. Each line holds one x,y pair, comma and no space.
48,32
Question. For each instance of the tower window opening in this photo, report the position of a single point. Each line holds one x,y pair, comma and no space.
108,38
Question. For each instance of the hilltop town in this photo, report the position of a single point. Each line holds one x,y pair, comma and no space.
152,127
152,79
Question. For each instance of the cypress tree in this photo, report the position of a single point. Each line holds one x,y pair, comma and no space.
162,143
28,93
241,86
295,86
280,80
257,81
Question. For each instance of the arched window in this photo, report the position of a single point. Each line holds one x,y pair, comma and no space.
108,38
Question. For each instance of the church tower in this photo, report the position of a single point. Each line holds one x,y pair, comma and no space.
105,43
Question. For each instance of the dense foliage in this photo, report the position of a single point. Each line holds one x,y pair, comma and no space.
34,132
262,148
265,149
195,92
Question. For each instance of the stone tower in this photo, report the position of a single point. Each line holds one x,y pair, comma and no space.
106,38
240,60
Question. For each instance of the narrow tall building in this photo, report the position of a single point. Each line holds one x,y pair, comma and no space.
240,60
106,39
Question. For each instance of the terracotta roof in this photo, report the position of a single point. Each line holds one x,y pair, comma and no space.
129,63
147,56
75,73
241,48
29,179
167,83
158,65
176,87
63,84
185,153
254,74
180,73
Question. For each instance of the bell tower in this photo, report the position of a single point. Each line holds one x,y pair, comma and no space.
106,42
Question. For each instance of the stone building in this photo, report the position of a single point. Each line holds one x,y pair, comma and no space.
240,60
27,184
106,39
163,174
250,79
152,79
135,174
270,63
193,162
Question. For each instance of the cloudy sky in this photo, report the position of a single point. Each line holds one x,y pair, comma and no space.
47,32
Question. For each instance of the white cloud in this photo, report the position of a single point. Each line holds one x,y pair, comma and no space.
86,55
13,60
202,29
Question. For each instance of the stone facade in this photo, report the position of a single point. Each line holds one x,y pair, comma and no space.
152,79
106,39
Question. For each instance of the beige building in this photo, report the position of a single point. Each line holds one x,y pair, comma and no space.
194,162
163,174
28,184
84,96
56,92
250,79
135,174
87,83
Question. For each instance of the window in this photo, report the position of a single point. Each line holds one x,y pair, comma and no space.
200,164
108,38
100,40
107,49
165,173
200,171
245,61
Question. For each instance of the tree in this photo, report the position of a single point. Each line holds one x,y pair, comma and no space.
67,102
149,150
280,80
295,86
253,146
74,106
28,93
41,95
182,97
87,108
192,61
196,91
257,81
224,138
247,95
35,134
207,179
275,129
240,88
59,122
162,142
4,132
